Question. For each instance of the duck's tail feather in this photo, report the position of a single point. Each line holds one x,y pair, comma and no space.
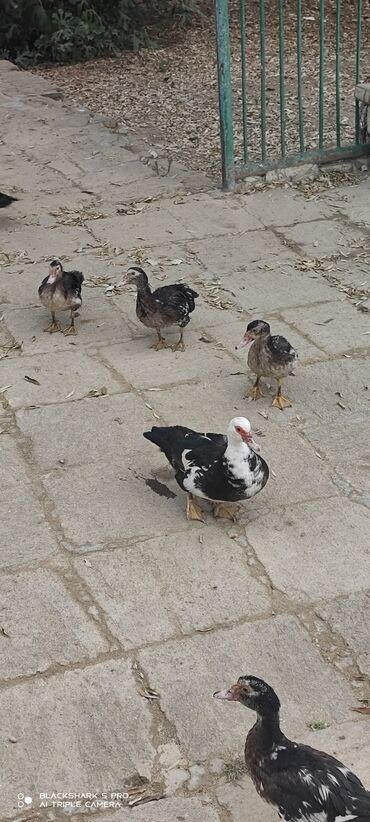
6,200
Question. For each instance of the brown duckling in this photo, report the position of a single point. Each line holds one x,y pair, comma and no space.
61,291
268,356
300,782
168,305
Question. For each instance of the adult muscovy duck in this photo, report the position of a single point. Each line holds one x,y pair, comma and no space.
6,200
303,784
269,356
222,469
168,305
61,291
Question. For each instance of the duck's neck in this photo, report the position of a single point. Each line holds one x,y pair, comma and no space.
237,451
143,288
268,729
263,340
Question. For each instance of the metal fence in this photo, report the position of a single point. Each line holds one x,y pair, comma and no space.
249,162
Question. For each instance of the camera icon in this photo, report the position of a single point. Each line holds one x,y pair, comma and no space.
23,800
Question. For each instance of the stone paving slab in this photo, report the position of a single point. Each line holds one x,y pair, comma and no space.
27,537
44,715
162,571
324,238
63,377
96,522
281,208
105,433
226,254
223,218
12,468
346,448
278,289
334,326
45,625
350,618
140,365
306,534
352,202
194,809
105,588
103,327
328,380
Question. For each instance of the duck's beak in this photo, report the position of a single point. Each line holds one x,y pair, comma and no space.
231,695
124,280
247,436
245,341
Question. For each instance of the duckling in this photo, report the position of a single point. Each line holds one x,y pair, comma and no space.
168,305
303,784
222,469
268,356
61,291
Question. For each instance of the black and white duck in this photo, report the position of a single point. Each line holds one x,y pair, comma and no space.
269,356
303,784
6,200
221,469
61,291
166,306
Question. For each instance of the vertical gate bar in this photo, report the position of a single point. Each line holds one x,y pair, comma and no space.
358,65
322,72
225,93
337,70
263,77
299,76
243,46
281,76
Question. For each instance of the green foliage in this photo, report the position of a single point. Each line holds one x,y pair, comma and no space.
73,30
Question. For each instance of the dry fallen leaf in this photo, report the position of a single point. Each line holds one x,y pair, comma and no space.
152,410
363,710
98,392
31,379
149,694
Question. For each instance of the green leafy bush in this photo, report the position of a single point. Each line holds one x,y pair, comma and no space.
72,30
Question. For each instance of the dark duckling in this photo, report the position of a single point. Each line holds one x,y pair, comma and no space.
168,305
61,291
268,356
222,469
303,784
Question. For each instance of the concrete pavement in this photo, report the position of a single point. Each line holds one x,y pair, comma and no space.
107,593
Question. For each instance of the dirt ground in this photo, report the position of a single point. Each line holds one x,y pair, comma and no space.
172,91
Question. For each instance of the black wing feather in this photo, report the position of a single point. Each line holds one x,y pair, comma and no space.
281,348
311,782
6,200
72,282
178,296
43,284
175,439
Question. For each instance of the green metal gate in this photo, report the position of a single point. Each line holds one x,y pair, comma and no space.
242,158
